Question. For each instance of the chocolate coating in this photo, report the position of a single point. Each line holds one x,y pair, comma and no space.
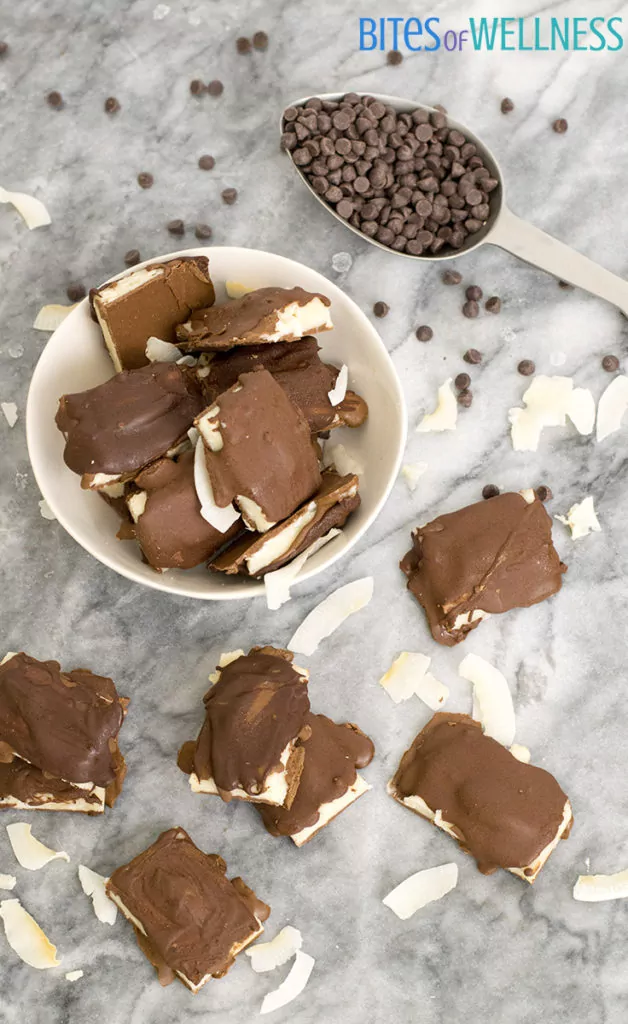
504,812
65,723
135,417
28,784
333,753
195,919
494,555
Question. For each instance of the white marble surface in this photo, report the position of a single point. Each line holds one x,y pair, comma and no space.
493,950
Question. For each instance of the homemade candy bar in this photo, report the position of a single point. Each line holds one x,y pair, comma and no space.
58,737
150,302
258,450
329,781
114,430
259,317
190,920
248,746
256,554
486,558
503,812
167,515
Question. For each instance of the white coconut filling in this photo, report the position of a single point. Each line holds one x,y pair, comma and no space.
468,617
100,481
295,321
275,788
209,427
136,504
252,514
276,547
117,289
329,810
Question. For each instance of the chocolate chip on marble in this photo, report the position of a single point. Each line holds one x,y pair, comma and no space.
206,162
507,105
471,309
610,364
560,126
451,277
75,291
4,48
493,305
111,105
203,231
472,356
145,180
465,398
229,196
526,367
394,57
490,491
215,87
424,333
543,493
462,382
55,100
197,88
260,40
474,293
176,227
565,285
132,257
381,309
243,45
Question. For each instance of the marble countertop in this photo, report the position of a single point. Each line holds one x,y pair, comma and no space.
493,950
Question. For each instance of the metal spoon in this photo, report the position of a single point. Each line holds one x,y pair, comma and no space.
503,227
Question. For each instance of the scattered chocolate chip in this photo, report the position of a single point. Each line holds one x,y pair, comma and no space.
506,105
471,309
4,48
215,88
472,356
203,231
260,40
55,100
424,333
229,196
543,493
394,57
462,382
565,285
132,257
490,491
197,88
75,291
560,126
526,368
243,45
111,105
145,180
176,227
465,398
439,106
610,364
474,293
381,309
206,162
451,277
493,305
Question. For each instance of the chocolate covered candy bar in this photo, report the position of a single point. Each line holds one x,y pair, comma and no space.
190,920
329,782
259,317
150,302
484,559
503,812
248,745
116,429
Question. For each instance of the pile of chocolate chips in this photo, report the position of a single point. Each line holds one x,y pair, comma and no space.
408,180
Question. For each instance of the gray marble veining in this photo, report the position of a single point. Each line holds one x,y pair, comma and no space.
493,950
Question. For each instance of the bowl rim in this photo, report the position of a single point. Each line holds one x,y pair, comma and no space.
251,588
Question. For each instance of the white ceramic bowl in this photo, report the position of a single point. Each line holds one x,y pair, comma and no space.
75,359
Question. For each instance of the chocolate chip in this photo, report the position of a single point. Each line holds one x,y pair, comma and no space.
243,45
526,368
465,398
76,291
111,105
229,196
471,309
462,382
424,333
197,88
543,493
55,100
203,231
215,88
206,162
474,293
493,305
344,208
176,227
610,364
560,126
507,105
472,356
4,48
565,285
260,41
132,257
394,57
451,277
490,491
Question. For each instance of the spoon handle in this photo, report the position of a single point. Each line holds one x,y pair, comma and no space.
534,246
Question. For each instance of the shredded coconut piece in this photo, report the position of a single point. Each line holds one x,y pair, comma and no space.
581,519
445,414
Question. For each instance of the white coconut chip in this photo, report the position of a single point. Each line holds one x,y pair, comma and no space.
445,414
408,675
330,614
45,511
581,410
8,882
30,209
293,984
265,956
339,390
581,519
74,975
338,456
596,888
10,412
548,401
52,316
420,889
611,407
29,852
235,289
93,885
412,473
158,351
278,582
492,698
220,518
26,938
521,753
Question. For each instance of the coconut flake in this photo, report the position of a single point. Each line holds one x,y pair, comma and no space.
158,351
32,210
52,316
445,414
265,956
26,938
330,614
611,407
74,975
492,698
45,511
225,659
8,881
408,675
596,888
420,889
235,289
521,753
29,852
339,390
581,519
293,984
10,412
338,456
581,410
412,473
93,885
547,402
278,582
218,517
